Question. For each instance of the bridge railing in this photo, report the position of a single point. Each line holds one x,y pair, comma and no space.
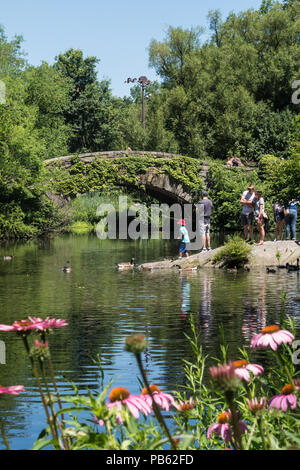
88,157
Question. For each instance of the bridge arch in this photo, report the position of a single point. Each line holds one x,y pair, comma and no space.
168,177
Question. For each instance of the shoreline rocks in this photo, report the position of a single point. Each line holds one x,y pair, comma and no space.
268,255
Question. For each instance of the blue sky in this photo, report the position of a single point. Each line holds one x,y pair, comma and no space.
118,32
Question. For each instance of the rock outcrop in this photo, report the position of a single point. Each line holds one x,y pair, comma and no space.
270,254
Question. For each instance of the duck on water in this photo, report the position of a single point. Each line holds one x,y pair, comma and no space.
126,266
67,267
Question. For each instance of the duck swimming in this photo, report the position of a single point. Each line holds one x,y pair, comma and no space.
126,266
67,267
187,268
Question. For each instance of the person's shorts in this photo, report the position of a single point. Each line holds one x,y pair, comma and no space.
204,228
247,219
183,248
279,216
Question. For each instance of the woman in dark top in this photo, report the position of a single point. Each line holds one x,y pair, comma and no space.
279,220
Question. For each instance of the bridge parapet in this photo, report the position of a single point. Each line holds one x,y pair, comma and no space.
89,157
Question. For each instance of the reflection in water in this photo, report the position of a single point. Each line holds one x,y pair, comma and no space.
205,311
185,294
255,313
103,306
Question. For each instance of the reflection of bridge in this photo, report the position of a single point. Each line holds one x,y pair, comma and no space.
163,175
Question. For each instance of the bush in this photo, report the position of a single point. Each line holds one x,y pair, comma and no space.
234,254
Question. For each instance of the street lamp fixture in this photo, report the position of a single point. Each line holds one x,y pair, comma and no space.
143,82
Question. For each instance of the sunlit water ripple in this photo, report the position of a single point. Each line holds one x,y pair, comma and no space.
104,306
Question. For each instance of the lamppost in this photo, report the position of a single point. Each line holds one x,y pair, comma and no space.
143,82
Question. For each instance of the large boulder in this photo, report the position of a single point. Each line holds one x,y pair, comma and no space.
270,254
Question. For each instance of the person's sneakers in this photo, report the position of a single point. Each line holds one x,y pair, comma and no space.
209,249
275,240
204,249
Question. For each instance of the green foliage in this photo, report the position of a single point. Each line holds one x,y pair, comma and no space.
234,254
81,228
106,173
48,91
92,114
84,207
281,178
226,186
233,92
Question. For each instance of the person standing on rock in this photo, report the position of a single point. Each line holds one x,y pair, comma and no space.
278,210
204,224
259,204
184,239
290,213
248,212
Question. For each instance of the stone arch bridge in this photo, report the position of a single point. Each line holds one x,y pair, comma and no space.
168,177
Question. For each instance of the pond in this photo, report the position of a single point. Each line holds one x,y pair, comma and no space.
103,306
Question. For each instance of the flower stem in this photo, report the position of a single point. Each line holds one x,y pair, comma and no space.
55,385
261,430
155,407
49,420
288,373
4,436
55,418
235,420
251,434
50,366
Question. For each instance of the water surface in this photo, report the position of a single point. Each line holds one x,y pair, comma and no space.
104,306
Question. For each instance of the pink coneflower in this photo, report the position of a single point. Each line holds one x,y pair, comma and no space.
243,369
222,427
272,336
49,323
23,325
12,390
224,375
254,405
33,323
164,400
121,396
284,400
185,406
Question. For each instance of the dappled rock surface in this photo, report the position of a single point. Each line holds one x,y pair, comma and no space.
270,254
275,253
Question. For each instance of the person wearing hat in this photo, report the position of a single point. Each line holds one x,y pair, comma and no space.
184,239
204,224
248,212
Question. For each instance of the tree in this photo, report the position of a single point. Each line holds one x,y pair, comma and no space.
215,23
266,5
231,94
169,58
49,92
90,115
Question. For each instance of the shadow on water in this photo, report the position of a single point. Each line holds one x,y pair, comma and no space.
104,306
